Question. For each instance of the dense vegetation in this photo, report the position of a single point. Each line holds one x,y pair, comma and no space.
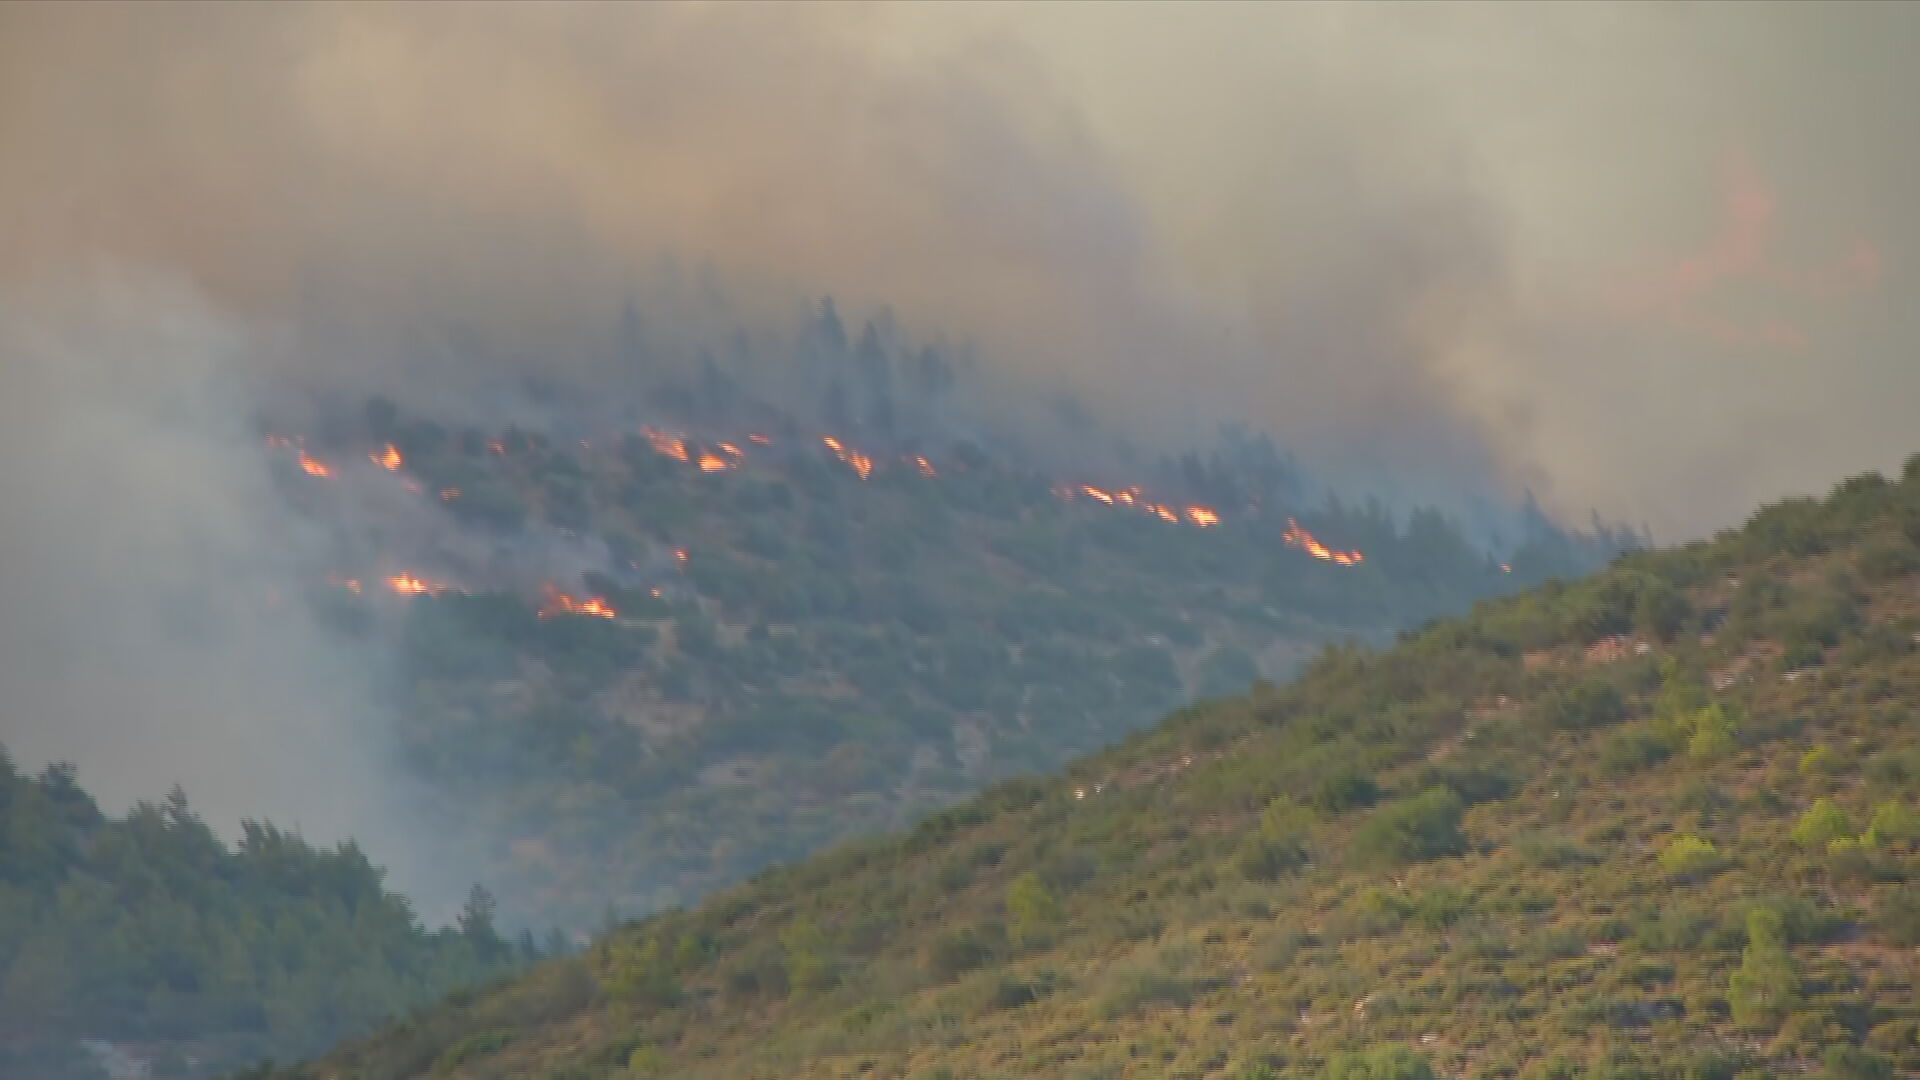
813,645
1657,823
146,929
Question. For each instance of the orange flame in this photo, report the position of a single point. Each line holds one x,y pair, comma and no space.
730,450
713,463
1097,493
1505,569
314,468
925,466
672,446
407,585
680,555
559,603
1296,536
388,459
1202,516
859,462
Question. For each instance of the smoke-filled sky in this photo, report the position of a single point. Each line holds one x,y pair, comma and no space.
1642,258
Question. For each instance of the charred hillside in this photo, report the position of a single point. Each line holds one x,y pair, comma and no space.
1658,822
634,663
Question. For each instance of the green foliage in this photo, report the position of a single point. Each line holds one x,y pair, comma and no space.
1690,858
1586,704
809,963
147,926
1823,823
1346,788
1894,824
1393,1062
1713,731
1032,910
1766,987
1424,826
1844,1061
639,971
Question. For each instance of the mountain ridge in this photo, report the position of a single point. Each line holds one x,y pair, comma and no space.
1659,822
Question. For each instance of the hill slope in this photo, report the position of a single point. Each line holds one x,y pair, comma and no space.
800,640
1658,823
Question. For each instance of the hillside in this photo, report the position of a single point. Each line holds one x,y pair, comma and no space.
633,664
1661,822
146,930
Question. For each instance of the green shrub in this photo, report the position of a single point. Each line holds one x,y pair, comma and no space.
1843,1061
1393,1062
1823,823
1690,858
1589,703
1898,916
1766,987
1888,561
1894,823
1032,911
1346,788
1715,729
1424,826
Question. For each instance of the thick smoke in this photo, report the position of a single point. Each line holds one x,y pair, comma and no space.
155,629
1445,253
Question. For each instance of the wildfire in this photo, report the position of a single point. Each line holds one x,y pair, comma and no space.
672,446
559,603
681,556
1505,569
857,461
407,585
388,459
314,468
713,462
1296,536
1094,492
495,446
1202,516
925,466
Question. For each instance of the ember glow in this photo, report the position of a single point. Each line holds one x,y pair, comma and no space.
672,446
407,585
556,602
713,462
314,468
388,459
1296,536
857,461
925,466
1202,516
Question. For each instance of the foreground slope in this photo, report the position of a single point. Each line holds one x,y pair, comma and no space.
1658,823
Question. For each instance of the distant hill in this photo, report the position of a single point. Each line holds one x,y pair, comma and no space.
146,932
1661,822
638,664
